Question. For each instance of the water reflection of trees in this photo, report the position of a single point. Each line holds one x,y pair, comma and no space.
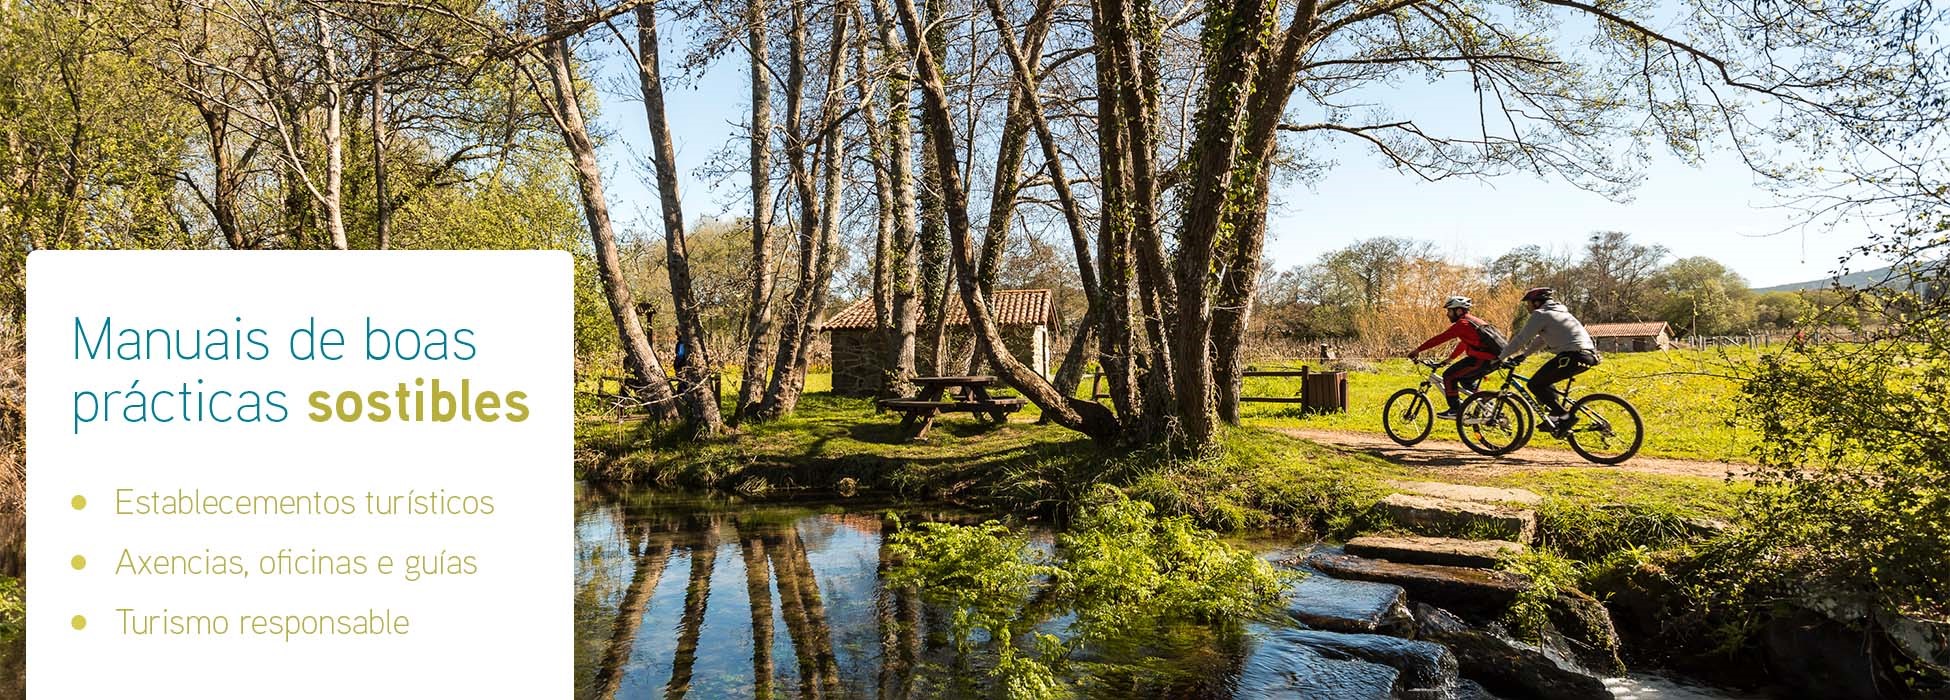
651,553
758,591
901,650
774,554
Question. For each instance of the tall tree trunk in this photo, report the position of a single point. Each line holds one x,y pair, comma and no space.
936,263
758,316
700,398
1082,415
1007,185
382,205
1129,31
1070,375
785,348
818,224
1232,315
904,264
1240,40
883,194
1117,345
935,267
639,359
334,136
224,174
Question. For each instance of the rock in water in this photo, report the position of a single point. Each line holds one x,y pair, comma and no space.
1501,667
1278,669
1324,602
1808,650
1441,551
1422,669
1586,628
1480,593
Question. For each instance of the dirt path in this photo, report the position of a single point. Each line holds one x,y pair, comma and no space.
1450,455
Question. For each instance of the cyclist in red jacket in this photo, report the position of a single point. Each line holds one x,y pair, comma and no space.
1477,342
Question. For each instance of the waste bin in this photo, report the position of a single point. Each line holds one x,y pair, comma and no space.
1324,392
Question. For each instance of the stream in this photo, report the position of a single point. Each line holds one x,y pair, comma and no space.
712,597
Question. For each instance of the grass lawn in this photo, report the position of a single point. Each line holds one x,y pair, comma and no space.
1262,479
1683,396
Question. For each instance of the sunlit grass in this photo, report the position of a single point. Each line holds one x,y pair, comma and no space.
1686,399
1256,478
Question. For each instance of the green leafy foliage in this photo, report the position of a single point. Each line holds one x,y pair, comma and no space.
1549,574
1121,572
1128,569
1854,461
13,606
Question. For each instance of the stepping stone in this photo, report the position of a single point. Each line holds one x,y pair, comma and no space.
1484,554
1278,669
1425,668
1478,593
1464,492
1290,663
1327,603
1445,517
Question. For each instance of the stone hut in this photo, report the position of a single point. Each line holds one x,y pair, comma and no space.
1027,317
1642,336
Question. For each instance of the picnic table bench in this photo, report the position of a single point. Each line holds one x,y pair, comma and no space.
940,395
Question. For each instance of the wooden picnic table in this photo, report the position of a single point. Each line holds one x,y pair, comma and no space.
940,395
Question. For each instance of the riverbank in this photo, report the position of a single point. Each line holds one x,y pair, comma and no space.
1689,589
1262,479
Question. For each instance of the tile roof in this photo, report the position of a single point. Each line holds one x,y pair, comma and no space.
1625,330
1013,307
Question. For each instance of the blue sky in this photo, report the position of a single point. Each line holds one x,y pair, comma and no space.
1712,210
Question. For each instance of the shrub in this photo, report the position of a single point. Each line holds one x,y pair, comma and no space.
1529,614
1854,460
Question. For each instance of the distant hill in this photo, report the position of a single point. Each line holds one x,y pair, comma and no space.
1854,279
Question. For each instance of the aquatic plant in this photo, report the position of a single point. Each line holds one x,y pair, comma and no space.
1120,572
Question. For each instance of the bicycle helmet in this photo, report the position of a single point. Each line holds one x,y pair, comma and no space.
1538,294
1458,302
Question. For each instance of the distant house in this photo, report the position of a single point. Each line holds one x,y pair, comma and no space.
1640,336
1027,317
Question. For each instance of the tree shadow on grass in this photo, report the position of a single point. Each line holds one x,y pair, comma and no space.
889,431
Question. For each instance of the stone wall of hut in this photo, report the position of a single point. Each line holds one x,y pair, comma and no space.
859,355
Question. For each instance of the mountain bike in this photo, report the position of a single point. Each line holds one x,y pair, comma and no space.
1409,416
1605,429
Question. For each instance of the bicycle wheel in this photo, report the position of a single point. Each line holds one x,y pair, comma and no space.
1608,430
1528,423
1493,423
1408,417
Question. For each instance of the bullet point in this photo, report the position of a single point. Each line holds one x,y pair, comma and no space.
79,622
79,502
79,562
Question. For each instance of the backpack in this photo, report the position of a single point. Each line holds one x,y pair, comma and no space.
1492,339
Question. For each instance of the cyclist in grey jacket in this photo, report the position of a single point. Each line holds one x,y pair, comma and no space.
1552,326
